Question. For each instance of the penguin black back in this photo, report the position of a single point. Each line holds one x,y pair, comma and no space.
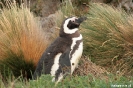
47,59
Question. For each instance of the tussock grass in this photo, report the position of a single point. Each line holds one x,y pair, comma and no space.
22,41
108,38
74,8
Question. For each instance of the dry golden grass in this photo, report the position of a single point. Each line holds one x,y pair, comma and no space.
86,67
20,33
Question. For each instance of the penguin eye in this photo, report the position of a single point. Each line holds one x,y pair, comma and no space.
73,21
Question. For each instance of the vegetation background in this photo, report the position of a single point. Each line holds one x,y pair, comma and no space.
28,27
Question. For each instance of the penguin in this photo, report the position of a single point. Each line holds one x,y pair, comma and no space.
62,56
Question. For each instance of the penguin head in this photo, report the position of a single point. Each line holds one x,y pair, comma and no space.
71,25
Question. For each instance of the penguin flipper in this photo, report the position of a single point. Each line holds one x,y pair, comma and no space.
64,66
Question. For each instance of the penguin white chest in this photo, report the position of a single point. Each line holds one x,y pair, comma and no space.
76,52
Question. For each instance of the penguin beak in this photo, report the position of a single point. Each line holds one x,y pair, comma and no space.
80,20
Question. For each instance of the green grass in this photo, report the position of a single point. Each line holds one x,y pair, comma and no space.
71,82
15,65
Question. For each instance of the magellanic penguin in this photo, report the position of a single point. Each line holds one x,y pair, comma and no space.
63,55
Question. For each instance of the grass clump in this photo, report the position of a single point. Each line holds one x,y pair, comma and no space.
22,41
108,38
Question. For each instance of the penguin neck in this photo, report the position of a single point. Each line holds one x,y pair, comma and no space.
70,36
